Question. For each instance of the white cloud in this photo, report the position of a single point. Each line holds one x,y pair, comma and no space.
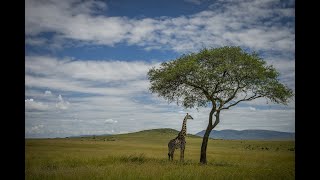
30,104
46,102
104,71
93,117
271,119
108,104
111,121
48,93
96,77
110,96
36,41
62,104
35,129
60,97
254,24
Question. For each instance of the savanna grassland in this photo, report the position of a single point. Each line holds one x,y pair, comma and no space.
143,155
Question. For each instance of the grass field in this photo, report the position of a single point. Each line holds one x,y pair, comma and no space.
143,155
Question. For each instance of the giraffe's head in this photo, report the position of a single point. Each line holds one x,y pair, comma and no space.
188,116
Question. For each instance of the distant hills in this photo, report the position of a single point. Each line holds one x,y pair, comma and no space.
249,135
223,134
92,135
162,131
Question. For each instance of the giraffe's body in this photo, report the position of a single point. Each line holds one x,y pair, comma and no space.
179,141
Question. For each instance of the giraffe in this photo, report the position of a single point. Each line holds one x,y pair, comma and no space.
179,141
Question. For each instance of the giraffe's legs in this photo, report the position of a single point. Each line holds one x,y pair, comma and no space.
182,154
170,154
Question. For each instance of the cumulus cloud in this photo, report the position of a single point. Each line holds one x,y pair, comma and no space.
48,93
62,104
110,121
36,129
30,104
60,97
46,102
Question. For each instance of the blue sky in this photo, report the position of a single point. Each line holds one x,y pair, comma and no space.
86,62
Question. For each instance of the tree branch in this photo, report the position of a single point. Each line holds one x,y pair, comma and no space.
206,93
255,96
217,119
216,88
233,95
213,109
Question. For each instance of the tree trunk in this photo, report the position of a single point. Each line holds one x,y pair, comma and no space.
203,153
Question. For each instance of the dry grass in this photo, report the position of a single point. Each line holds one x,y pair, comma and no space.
144,156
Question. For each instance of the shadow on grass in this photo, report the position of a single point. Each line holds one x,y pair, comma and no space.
135,158
138,159
49,166
141,158
220,163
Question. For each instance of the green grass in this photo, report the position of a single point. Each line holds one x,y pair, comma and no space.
143,155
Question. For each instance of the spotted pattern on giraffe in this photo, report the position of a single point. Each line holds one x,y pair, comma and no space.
180,141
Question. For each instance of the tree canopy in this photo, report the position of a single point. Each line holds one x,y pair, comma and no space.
222,77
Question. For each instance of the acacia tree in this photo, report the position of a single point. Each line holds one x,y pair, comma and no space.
219,78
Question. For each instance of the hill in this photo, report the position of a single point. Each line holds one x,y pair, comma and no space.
249,135
161,131
150,132
215,134
86,135
156,131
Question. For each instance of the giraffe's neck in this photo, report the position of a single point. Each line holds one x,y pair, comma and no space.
183,131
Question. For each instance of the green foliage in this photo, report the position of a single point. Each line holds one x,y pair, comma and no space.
222,77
